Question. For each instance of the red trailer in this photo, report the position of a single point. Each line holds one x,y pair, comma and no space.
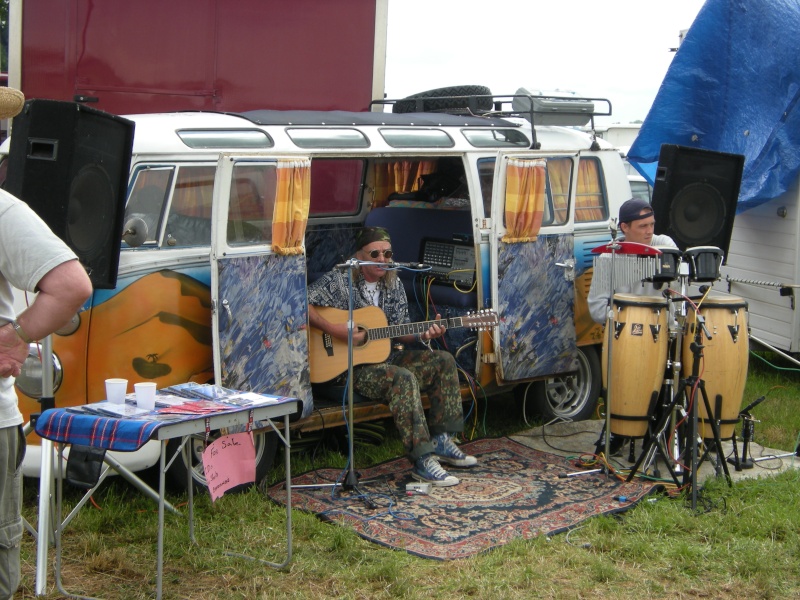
154,56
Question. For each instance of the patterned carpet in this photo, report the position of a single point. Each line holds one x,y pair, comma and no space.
514,492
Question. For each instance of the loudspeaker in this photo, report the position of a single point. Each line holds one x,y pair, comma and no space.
70,164
695,196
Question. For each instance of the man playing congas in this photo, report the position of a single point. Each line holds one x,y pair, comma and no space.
637,223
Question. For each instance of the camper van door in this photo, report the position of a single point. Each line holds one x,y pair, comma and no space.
258,294
532,279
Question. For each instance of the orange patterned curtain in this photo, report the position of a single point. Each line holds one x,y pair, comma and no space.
292,201
525,195
399,176
560,171
589,204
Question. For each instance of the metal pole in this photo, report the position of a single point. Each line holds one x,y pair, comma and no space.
45,476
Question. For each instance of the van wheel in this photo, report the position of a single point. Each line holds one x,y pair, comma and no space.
266,444
409,103
571,397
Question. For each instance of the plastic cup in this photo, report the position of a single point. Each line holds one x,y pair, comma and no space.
145,395
116,390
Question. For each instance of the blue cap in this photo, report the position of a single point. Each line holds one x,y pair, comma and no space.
631,210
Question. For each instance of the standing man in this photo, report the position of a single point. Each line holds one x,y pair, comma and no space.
34,259
398,381
637,222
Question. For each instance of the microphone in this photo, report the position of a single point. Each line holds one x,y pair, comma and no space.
409,265
752,405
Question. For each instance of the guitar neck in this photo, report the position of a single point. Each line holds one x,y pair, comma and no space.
393,331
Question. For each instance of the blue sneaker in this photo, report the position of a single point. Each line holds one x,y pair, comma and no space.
445,449
428,470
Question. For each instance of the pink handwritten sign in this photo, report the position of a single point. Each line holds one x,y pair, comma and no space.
229,461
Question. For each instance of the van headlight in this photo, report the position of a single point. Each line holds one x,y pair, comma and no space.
29,381
70,327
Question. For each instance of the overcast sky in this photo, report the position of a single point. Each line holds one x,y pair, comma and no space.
615,49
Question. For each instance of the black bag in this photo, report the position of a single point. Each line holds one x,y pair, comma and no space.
434,186
84,465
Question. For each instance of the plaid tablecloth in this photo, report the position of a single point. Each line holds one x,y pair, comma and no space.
59,425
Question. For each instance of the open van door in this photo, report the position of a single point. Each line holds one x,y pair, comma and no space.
258,294
532,263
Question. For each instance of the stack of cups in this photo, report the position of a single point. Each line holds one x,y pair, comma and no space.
116,390
145,394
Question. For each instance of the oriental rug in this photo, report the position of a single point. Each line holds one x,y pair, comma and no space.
514,492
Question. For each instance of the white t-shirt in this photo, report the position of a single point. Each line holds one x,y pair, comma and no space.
28,251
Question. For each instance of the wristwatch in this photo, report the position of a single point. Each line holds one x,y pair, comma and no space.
21,332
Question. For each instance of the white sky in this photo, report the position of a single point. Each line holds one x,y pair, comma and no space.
615,49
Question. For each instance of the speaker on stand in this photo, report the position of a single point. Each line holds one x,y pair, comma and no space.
70,164
695,196
694,202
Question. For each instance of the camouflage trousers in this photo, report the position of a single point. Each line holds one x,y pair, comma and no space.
399,384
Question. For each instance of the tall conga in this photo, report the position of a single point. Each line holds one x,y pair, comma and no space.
639,344
725,359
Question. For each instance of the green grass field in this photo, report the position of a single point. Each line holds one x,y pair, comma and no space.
742,542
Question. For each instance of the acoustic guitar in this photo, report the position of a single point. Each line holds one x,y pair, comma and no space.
328,355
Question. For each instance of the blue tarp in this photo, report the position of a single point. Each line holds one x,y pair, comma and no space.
733,86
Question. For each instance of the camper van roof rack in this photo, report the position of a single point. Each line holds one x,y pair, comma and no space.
537,109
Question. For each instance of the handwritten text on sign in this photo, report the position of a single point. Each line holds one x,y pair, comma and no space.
229,461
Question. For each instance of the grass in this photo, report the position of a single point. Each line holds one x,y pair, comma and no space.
743,542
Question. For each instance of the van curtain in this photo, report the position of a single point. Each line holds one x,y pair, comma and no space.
401,176
292,202
524,202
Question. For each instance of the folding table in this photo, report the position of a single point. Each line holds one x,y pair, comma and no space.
128,434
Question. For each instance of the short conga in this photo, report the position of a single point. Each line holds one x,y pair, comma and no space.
725,359
639,344
704,263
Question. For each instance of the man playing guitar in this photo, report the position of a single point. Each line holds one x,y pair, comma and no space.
399,380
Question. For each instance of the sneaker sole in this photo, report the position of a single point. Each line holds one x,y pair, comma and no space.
457,462
436,483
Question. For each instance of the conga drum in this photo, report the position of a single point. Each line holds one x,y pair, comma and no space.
639,342
725,360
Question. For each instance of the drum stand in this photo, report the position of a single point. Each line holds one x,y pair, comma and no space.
692,383
657,440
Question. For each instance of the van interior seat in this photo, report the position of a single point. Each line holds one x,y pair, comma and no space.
408,227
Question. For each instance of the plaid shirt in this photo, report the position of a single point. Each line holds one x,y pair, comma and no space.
332,290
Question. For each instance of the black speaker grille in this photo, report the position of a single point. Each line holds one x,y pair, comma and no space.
695,196
70,163
697,214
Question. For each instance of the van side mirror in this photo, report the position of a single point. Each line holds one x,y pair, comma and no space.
135,232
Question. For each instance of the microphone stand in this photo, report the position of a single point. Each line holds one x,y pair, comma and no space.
351,479
614,246
609,340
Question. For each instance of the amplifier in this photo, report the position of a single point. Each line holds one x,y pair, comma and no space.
452,262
